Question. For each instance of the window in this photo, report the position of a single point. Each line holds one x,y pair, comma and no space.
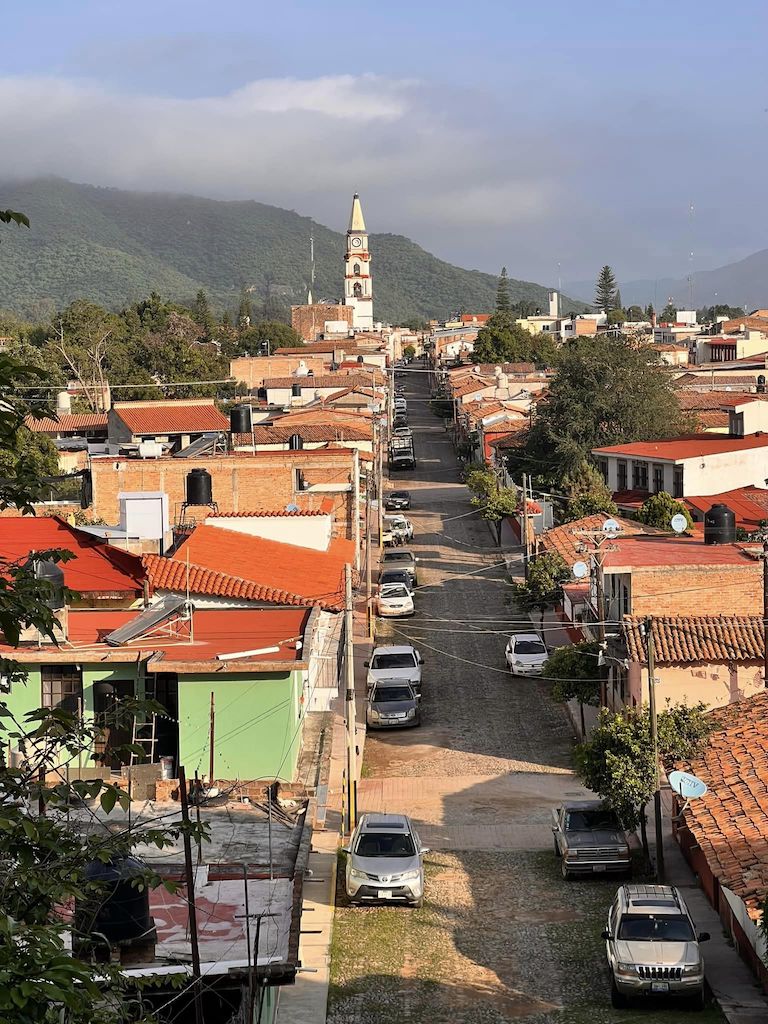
677,482
658,478
602,465
640,476
62,687
621,475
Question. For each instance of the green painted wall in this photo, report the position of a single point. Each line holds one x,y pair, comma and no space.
257,734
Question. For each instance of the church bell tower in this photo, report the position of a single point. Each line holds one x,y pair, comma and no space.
358,287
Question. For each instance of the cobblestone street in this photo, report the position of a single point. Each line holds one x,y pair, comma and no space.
501,937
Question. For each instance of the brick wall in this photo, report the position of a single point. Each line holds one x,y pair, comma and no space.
252,370
241,483
309,321
698,590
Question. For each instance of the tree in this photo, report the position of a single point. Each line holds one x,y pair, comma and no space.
604,392
202,314
36,452
544,586
263,338
617,303
658,511
605,290
244,310
501,340
617,760
494,501
668,314
649,311
502,293
635,314
587,491
577,675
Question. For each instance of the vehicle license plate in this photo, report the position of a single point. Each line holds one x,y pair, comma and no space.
659,986
385,894
598,867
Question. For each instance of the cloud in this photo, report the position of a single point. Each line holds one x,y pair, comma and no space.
301,143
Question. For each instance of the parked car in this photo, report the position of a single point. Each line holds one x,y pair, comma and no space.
399,422
652,946
398,500
401,558
385,861
395,601
402,432
399,524
589,839
392,704
526,654
400,404
396,576
401,663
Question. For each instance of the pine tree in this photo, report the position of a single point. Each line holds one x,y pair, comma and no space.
605,290
649,311
244,311
617,303
202,313
503,303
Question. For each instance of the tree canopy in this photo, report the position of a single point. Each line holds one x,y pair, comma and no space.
588,493
658,510
543,587
577,674
503,302
605,290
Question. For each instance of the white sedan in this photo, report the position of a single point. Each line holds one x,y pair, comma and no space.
526,654
395,600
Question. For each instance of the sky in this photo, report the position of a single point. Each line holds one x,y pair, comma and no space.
551,138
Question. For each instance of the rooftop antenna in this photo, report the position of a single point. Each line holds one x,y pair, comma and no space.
311,268
691,212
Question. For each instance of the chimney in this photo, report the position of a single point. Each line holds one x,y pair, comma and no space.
554,304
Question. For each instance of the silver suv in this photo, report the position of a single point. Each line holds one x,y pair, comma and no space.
652,946
385,861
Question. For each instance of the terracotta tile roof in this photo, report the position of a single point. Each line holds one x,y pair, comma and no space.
699,400
514,436
750,505
167,574
708,419
755,323
468,387
317,575
689,447
326,380
682,639
689,380
276,513
564,540
97,568
68,423
170,417
730,823
310,432
630,499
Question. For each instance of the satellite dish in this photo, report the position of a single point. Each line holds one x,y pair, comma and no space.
679,523
292,508
611,526
580,570
686,785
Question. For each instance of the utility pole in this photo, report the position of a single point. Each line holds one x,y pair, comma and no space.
655,743
526,535
349,702
368,586
600,547
190,881
379,455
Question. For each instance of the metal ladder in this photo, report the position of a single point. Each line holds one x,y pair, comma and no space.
151,740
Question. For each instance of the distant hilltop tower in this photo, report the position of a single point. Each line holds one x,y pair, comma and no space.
358,287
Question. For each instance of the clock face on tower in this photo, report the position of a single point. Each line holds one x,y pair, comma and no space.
357,242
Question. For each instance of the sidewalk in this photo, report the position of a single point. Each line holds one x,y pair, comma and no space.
736,989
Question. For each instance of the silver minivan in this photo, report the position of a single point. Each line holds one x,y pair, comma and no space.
385,861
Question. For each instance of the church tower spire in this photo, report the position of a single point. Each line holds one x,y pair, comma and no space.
358,286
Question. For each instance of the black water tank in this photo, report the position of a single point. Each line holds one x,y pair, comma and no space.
719,525
295,443
118,911
240,419
199,487
295,390
761,384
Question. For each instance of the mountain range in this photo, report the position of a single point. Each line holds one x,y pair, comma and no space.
743,283
114,247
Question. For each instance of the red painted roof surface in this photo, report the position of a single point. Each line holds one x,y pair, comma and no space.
216,631
685,447
67,424
317,575
642,552
750,505
97,567
170,418
169,574
730,822
566,540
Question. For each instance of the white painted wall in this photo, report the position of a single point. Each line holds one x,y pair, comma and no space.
322,682
304,531
706,474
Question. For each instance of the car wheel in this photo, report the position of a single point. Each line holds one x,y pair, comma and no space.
564,870
417,904
618,999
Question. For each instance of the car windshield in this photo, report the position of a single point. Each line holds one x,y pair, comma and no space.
385,844
648,928
529,647
405,660
394,590
400,495
396,576
387,693
398,556
586,821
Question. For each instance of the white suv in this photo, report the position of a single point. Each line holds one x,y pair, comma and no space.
385,861
652,946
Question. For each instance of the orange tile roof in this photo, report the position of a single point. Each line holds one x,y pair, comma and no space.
317,575
565,540
689,447
274,513
67,423
661,549
310,432
698,400
168,574
170,417
755,323
708,419
749,504
468,387
682,639
730,822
